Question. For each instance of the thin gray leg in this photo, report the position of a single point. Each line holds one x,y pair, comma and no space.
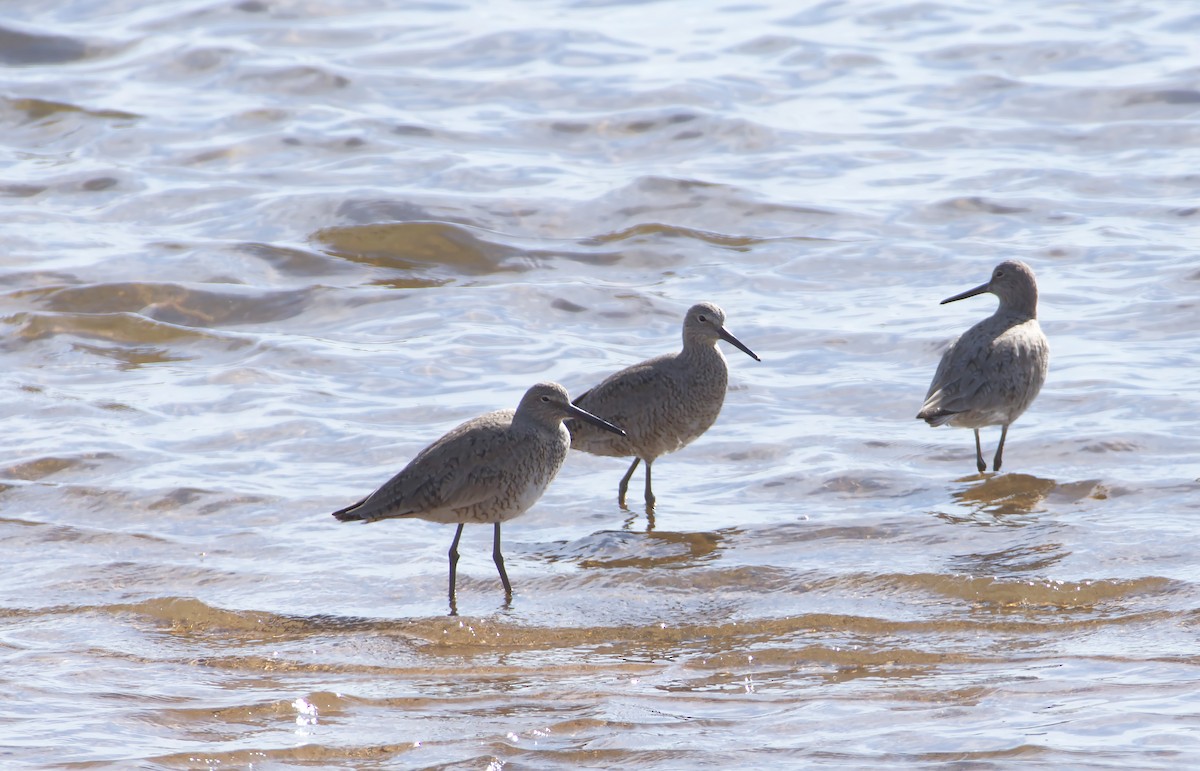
649,492
624,486
979,464
498,558
454,561
1000,449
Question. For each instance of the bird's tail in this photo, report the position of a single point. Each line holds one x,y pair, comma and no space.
350,513
932,411
936,417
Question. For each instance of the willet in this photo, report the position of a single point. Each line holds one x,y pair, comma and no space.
993,371
663,403
489,469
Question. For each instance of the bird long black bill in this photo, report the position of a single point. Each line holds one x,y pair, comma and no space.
582,414
729,338
969,293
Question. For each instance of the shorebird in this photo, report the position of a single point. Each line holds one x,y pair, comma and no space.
992,373
663,403
487,470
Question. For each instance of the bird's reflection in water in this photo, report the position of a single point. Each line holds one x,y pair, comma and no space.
623,549
631,521
1031,558
1000,499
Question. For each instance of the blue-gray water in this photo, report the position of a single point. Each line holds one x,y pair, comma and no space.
257,254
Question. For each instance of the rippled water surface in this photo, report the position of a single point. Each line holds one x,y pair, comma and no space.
257,254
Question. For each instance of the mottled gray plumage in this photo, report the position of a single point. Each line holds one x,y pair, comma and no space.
487,470
992,373
662,403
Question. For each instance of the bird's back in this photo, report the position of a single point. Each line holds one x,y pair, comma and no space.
662,403
989,375
485,470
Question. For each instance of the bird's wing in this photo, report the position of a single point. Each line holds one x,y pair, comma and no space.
459,470
623,394
984,371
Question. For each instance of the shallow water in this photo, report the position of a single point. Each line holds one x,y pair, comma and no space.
257,254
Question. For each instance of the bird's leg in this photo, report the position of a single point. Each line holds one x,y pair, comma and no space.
649,492
1000,449
454,566
498,558
979,464
624,486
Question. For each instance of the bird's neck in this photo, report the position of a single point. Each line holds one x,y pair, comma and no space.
700,350
1016,314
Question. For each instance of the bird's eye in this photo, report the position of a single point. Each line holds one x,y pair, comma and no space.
546,399
999,273
702,317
